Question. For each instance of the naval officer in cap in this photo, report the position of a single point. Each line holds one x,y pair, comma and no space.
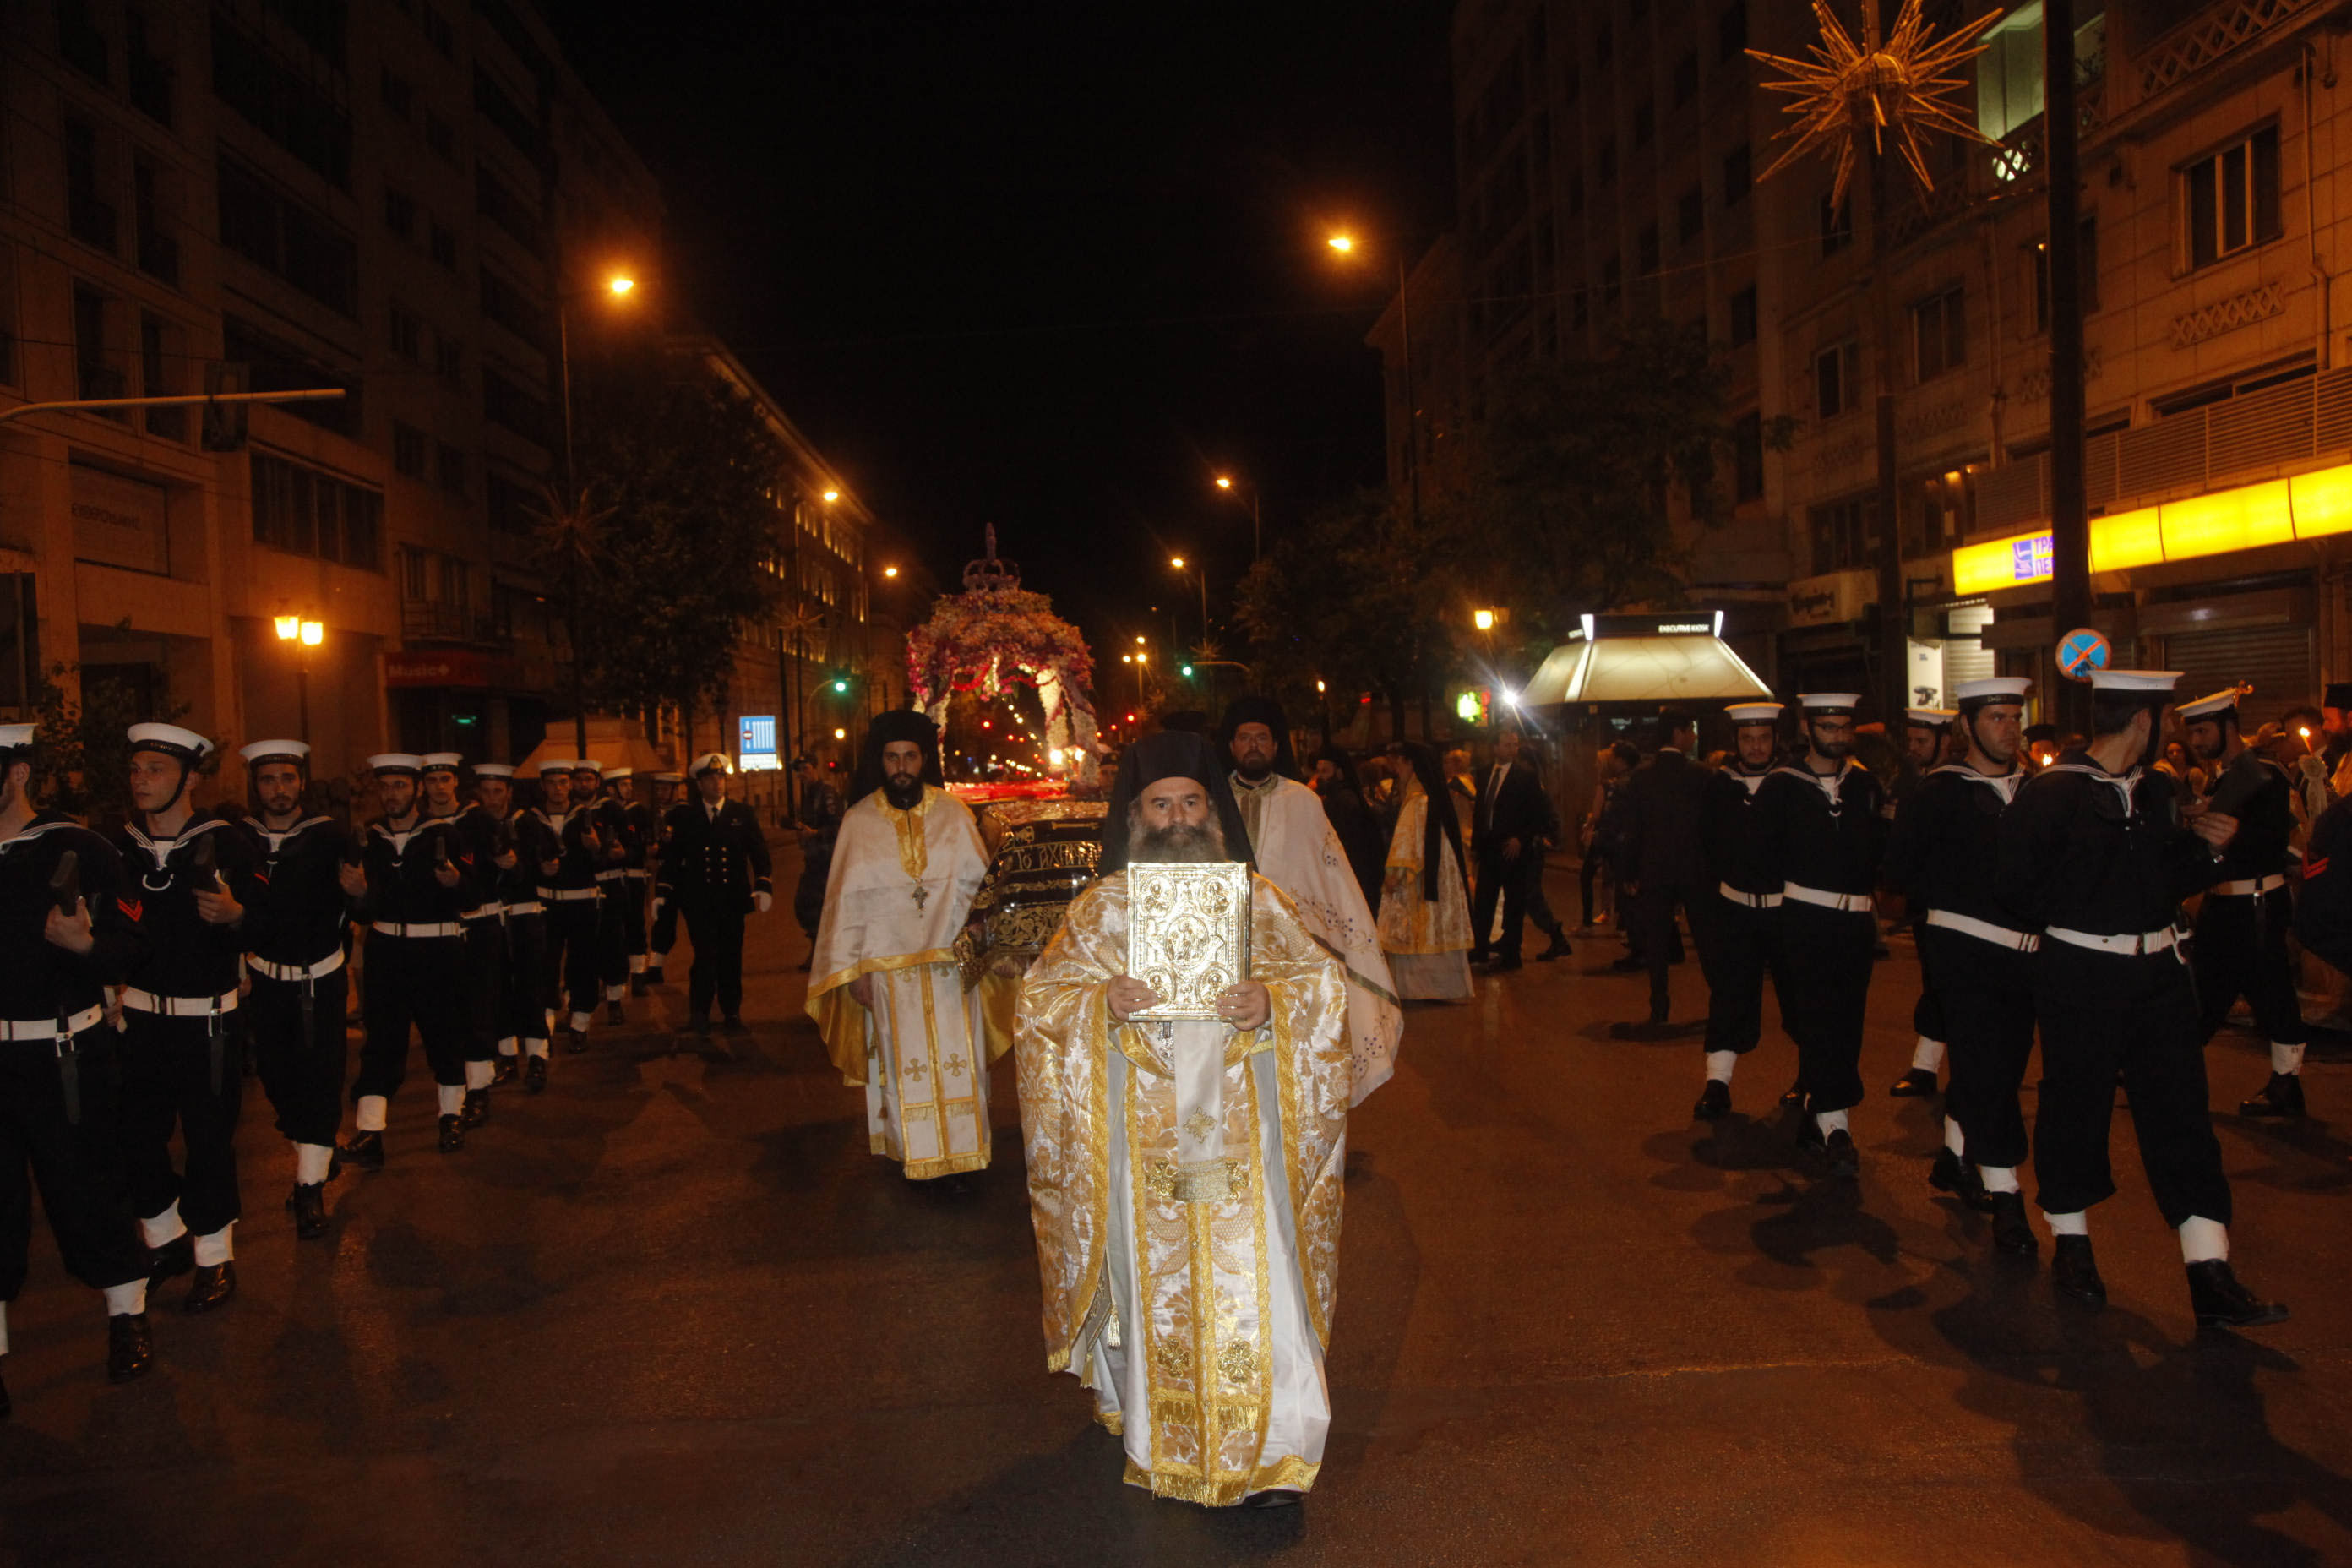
294,962
2242,926
2094,852
714,871
1974,951
1737,921
1927,739
1822,833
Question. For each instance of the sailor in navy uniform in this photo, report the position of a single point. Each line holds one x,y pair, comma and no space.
2094,853
479,863
1734,921
636,874
1975,951
715,871
1929,737
566,849
57,1099
191,875
668,794
612,857
2241,927
1822,833
294,962
413,897
521,1010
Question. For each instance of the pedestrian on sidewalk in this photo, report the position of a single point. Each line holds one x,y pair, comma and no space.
1425,905
820,825
1664,866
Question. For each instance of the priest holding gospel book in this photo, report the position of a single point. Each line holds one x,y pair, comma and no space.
1185,1150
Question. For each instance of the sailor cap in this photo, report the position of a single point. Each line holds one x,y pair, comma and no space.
396,763
1991,688
557,765
710,763
262,752
1829,702
494,770
587,765
621,773
1930,718
442,762
170,740
669,778
1754,712
2135,682
2214,706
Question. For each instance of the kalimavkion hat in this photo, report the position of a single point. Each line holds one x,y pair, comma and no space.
1754,713
396,763
262,752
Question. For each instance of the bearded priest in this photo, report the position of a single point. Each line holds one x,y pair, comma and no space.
886,990
1184,1176
1291,842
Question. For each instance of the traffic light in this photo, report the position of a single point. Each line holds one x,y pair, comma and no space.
840,684
1187,672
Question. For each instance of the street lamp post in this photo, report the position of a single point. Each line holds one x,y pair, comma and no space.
1201,576
303,633
1345,244
1227,483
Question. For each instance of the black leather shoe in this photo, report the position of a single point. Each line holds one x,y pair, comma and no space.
733,1024
1952,1174
1559,949
534,1076
1274,1499
1809,1137
2074,1273
2010,1232
2283,1096
1917,1083
1497,966
1713,1101
1660,1012
1794,1095
476,1109
453,1134
310,1206
614,1016
130,1350
215,1283
175,1257
653,975
365,1150
1629,964
2221,1302
505,1072
1844,1161
637,984
575,1041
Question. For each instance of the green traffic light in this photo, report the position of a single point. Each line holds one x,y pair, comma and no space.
841,686
1188,672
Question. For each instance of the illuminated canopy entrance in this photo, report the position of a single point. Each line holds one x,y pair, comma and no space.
995,634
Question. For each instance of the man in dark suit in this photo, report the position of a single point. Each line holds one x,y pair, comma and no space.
715,870
1509,818
1664,864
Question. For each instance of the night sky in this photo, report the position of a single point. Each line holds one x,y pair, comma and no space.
1049,266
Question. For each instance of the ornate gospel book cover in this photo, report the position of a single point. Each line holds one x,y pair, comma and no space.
1188,934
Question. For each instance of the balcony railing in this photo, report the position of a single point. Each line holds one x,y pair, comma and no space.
2205,38
436,620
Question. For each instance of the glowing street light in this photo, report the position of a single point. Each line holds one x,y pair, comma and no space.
620,284
1227,483
1177,563
303,633
1483,619
889,571
1342,243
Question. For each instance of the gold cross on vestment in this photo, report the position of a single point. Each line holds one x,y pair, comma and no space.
920,894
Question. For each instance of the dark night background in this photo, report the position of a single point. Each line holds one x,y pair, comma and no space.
1049,266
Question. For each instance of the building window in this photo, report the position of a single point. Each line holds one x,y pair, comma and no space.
1690,214
159,252
451,466
79,40
1939,334
440,138
88,215
1685,77
407,336
159,375
508,404
8,369
437,33
449,357
1837,378
2230,201
503,207
1739,176
1841,534
1748,457
306,511
444,246
1837,224
399,213
150,72
1743,317
96,375
276,365
399,94
281,103
2088,287
285,237
407,450
1645,122
1731,31
515,508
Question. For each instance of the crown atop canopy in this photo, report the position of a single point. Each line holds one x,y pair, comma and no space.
989,575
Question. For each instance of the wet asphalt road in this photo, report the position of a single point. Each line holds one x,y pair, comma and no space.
673,1312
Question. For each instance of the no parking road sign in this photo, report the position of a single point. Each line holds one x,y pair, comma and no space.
2082,651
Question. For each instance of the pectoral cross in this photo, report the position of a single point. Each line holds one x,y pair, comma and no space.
920,894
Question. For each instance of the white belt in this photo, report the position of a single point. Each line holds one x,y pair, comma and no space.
1859,903
484,912
2131,944
2000,936
637,875
139,1001
1750,901
2251,887
532,908
569,895
615,874
394,928
47,1028
295,972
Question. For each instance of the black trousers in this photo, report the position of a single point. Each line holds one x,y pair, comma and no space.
1738,946
808,900
418,980
664,936
525,997
573,932
1505,880
1826,955
485,982
2102,1013
302,1062
637,886
1594,863
168,1083
1985,1003
1654,918
1928,1017
612,935
2240,950
716,929
1540,915
77,1165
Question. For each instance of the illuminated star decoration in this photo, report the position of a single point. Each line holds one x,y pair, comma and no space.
1848,90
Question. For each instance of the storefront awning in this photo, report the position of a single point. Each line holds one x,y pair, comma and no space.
1648,669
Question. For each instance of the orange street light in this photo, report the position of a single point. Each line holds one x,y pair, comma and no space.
288,627
1177,563
889,571
830,497
1342,243
620,285
1227,483
1483,619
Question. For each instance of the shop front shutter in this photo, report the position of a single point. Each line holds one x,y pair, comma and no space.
2277,661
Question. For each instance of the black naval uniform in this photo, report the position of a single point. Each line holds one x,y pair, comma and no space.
636,879
1821,839
486,942
572,895
1735,920
524,999
715,860
2241,927
415,956
1974,949
294,955
60,1105
612,911
2086,854
183,1065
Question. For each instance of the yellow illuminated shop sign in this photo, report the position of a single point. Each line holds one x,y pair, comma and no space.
2308,506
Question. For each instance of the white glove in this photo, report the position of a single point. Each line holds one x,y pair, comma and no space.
763,901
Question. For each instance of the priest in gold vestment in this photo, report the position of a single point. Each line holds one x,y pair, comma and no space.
885,987
1425,903
1184,1176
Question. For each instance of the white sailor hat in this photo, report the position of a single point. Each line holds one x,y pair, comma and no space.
669,778
494,770
587,765
1991,688
557,765
170,740
2152,684
1829,703
2224,702
621,773
441,761
1754,713
1930,718
395,762
710,763
15,736
260,752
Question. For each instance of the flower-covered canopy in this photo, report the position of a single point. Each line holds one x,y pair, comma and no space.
996,633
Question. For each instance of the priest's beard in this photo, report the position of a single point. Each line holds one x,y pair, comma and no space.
903,796
1177,841
1253,772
